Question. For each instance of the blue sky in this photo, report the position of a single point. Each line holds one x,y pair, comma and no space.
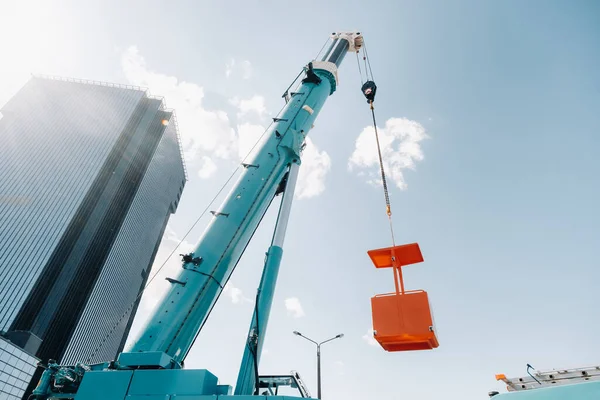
503,201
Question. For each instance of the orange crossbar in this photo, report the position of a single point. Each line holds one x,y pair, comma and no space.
396,257
405,254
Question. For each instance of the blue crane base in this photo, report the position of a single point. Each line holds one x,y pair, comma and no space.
158,384
151,376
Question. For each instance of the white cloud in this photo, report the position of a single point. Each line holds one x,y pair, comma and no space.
313,170
202,131
400,147
229,67
294,308
208,168
254,104
235,294
248,135
368,337
246,69
170,234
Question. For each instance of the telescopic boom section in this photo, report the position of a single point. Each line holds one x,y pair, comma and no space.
184,309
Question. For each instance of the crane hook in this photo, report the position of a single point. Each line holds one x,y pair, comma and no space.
369,88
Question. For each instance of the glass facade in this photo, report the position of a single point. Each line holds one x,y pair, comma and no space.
16,370
55,138
99,335
89,175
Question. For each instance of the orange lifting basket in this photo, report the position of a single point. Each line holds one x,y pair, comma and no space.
402,320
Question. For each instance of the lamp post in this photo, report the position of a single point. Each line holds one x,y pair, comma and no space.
341,335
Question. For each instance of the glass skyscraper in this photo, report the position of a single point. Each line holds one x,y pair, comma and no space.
89,175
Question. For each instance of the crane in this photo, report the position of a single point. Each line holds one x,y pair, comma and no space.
152,365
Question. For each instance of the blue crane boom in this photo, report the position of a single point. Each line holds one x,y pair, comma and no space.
185,308
152,365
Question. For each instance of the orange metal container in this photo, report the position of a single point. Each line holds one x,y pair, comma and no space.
402,320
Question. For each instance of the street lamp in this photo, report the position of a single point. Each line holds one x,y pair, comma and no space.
341,335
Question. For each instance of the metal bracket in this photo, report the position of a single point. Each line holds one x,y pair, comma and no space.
296,93
171,280
355,39
205,274
250,165
280,120
190,259
311,77
218,214
529,373
282,185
